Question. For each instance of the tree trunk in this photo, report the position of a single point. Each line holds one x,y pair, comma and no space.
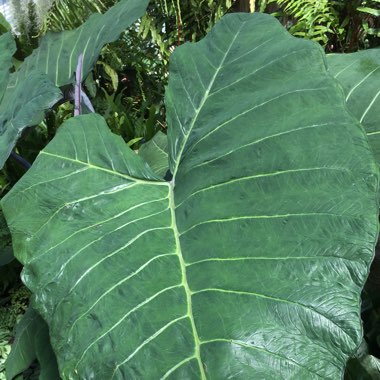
244,5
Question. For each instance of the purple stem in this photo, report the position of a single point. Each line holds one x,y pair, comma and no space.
25,164
78,86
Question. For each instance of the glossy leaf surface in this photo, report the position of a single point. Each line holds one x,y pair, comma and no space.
257,138
359,75
103,215
248,264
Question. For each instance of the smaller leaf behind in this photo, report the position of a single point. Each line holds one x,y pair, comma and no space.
58,53
24,106
155,153
359,75
57,57
32,342
7,49
363,366
4,24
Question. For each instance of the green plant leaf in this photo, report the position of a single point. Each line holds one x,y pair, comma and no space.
371,11
367,368
58,53
155,153
359,75
134,141
57,57
5,242
111,73
45,354
6,256
31,343
7,49
248,264
363,366
24,106
140,212
4,24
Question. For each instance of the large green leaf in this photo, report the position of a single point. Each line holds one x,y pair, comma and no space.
32,343
7,49
24,106
249,264
57,57
58,53
359,75
138,215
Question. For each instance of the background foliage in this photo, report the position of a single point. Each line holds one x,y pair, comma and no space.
127,87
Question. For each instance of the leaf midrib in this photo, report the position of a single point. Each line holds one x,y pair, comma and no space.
204,99
185,284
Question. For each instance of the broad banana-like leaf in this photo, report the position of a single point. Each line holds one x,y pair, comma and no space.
24,106
32,343
57,57
155,153
248,264
58,53
7,49
359,75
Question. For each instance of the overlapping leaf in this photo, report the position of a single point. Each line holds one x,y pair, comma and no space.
24,106
58,53
359,75
57,57
32,343
4,25
7,49
155,153
118,210
364,366
249,264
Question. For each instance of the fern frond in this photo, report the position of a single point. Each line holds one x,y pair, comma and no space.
69,14
314,19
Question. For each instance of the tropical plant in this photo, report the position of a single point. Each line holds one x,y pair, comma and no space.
32,343
340,26
315,20
24,96
59,15
139,59
26,26
359,74
182,21
52,64
247,261
359,23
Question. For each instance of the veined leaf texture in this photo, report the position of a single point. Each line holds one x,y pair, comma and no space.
248,264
